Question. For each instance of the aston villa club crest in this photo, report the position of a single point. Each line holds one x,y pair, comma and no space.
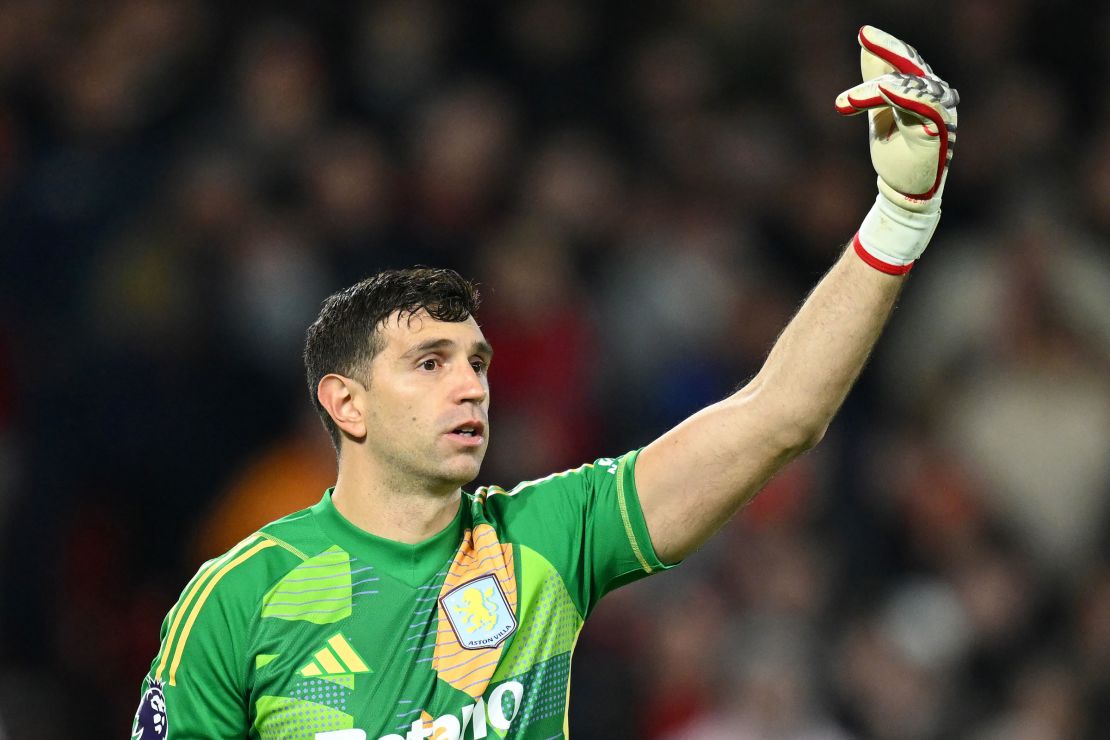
150,718
479,613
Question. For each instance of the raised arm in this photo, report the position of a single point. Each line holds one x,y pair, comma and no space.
697,475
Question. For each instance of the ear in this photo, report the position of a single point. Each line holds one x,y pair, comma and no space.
341,397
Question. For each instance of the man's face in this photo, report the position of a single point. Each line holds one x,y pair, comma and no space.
427,403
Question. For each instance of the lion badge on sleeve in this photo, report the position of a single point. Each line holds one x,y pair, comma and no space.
150,718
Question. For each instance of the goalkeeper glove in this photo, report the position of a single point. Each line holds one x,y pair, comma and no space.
912,129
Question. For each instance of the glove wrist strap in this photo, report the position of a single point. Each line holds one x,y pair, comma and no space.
891,238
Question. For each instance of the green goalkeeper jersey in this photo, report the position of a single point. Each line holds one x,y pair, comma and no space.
312,629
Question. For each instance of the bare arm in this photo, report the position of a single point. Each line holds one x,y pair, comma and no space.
694,477
731,449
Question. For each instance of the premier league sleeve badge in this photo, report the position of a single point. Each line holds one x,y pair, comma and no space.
151,722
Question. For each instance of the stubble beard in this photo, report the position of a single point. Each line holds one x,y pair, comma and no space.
432,470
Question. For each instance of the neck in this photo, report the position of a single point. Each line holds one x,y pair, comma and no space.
391,506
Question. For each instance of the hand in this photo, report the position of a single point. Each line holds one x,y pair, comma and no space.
912,132
912,116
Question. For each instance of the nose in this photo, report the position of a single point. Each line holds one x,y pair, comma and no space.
472,386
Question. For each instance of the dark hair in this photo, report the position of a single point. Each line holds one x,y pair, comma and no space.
345,337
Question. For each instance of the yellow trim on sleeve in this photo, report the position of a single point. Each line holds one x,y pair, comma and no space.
283,543
180,649
627,521
183,605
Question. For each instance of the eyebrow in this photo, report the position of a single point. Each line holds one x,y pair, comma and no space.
480,347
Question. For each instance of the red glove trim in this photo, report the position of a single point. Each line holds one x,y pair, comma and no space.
930,113
862,104
900,63
877,263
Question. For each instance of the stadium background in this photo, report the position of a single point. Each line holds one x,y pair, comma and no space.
645,192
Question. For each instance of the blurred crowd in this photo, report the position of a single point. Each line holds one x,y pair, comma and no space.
645,192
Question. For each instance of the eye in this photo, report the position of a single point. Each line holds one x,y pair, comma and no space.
429,364
479,366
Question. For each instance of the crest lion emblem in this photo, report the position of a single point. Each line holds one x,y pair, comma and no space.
479,613
480,610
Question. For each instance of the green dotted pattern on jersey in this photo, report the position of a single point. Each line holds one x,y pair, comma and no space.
318,590
346,680
545,694
539,656
326,664
281,718
329,691
550,627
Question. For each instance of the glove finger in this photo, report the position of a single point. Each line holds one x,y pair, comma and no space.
924,113
917,101
882,53
863,97
929,101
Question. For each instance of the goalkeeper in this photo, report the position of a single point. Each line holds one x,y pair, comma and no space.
401,607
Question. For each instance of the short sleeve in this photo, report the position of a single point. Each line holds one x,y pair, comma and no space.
587,522
196,684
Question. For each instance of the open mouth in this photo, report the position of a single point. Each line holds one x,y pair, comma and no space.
469,433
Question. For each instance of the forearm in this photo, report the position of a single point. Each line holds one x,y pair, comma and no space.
819,355
691,479
733,447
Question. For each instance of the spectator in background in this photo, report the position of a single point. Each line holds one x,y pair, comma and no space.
1024,386
534,317
168,169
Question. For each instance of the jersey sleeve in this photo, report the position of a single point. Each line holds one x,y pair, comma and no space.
587,522
196,687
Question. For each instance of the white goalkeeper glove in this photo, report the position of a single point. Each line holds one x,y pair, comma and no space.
912,129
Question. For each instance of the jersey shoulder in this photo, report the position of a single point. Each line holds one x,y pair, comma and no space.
251,568
596,501
229,593
298,533
574,482
216,607
547,510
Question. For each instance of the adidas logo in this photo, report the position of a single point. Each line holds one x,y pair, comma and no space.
336,657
